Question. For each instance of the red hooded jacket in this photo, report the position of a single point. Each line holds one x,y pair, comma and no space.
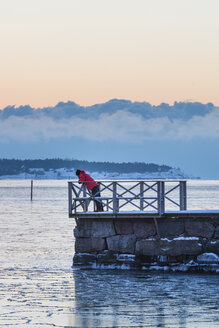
90,183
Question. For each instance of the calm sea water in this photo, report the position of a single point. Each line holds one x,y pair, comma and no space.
38,287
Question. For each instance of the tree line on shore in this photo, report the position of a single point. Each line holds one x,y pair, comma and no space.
17,166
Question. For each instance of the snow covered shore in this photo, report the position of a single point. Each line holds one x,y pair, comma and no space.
69,174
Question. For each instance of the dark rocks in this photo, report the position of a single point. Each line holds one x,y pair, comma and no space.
122,243
127,260
182,242
208,258
185,247
170,228
144,229
199,228
95,228
212,246
168,247
123,227
84,228
148,247
103,228
216,234
86,245
107,257
82,259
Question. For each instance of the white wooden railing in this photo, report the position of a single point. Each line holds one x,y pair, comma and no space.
123,196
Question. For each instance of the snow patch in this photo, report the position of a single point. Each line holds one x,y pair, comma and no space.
208,258
126,258
69,174
177,238
186,238
122,266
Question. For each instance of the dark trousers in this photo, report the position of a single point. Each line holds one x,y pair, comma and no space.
96,193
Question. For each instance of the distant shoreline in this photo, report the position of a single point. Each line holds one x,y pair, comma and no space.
64,174
65,169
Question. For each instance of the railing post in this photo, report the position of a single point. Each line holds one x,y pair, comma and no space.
141,196
114,198
69,198
85,201
161,197
182,196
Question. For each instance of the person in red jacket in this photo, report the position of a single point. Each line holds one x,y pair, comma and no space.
92,186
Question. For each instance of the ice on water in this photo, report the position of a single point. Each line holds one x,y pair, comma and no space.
38,287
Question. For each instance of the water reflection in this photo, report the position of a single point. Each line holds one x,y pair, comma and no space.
138,299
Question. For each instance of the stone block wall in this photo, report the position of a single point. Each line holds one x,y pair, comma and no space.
181,243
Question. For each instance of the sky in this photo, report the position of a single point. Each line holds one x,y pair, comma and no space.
92,51
185,135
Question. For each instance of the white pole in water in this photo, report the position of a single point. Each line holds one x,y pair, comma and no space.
31,190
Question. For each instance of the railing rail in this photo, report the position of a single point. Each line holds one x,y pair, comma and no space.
123,195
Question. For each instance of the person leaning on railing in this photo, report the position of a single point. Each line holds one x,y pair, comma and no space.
92,186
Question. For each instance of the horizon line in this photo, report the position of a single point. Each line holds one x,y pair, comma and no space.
186,101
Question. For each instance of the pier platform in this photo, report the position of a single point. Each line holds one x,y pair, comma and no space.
128,197
144,225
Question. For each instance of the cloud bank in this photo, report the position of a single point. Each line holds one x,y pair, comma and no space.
119,126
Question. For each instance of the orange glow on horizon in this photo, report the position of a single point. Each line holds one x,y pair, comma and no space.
91,52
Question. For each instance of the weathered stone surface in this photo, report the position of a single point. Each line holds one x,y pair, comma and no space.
107,257
148,247
128,260
95,228
185,247
162,259
144,229
84,228
212,246
135,242
76,232
123,227
199,229
122,243
168,247
208,258
216,234
84,259
86,245
103,228
170,228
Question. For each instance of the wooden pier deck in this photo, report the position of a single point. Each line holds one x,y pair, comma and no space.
144,215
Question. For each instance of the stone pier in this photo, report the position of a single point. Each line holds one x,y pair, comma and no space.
175,242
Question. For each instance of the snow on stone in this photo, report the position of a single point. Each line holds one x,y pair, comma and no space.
186,238
208,258
126,258
176,238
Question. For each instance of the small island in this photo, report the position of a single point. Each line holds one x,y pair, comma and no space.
57,168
